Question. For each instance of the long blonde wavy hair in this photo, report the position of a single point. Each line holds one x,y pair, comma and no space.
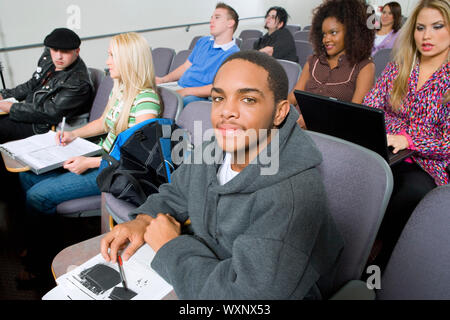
406,53
133,61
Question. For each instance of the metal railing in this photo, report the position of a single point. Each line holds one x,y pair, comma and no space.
108,35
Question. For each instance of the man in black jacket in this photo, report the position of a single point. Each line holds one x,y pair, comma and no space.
278,42
60,87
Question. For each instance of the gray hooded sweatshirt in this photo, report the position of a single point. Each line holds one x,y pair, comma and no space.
255,237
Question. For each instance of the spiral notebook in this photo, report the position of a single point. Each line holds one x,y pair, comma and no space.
42,154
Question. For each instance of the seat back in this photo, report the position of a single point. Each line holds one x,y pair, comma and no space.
247,44
101,98
96,76
250,33
293,71
304,50
199,112
179,59
173,103
293,28
358,183
302,35
238,42
419,267
381,59
193,42
162,59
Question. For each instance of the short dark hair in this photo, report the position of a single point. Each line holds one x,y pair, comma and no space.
276,75
231,12
396,10
281,15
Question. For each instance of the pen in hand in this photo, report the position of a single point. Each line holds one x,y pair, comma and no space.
122,274
62,129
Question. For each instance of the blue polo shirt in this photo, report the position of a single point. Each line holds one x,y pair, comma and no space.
206,59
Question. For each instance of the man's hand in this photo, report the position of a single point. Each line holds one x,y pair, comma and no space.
159,80
185,92
267,50
161,230
5,106
131,233
398,141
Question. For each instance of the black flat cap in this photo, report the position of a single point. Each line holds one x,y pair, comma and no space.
62,38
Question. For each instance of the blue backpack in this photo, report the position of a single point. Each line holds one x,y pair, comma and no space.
139,162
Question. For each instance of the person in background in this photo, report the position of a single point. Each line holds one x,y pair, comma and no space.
252,235
391,22
341,66
133,99
196,74
278,42
414,92
60,87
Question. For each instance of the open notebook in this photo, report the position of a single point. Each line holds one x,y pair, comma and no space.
41,153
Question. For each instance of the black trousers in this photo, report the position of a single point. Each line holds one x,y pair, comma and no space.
411,184
13,130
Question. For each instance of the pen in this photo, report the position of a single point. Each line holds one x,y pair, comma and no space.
62,129
122,274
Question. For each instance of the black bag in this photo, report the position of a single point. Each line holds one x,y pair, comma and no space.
144,153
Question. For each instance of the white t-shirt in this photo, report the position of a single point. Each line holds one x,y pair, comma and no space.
225,173
379,39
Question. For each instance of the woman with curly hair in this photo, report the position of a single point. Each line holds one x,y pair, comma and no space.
341,66
391,22
414,93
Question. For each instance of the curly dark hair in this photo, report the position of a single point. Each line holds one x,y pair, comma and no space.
353,15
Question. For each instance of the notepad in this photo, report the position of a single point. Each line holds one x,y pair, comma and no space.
97,279
42,154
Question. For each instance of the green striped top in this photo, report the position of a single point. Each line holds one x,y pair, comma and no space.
146,102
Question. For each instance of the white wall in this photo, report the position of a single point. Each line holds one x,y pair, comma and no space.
24,22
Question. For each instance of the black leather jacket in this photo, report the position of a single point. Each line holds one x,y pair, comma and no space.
67,93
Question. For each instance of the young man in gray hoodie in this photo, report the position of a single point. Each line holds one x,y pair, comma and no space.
254,233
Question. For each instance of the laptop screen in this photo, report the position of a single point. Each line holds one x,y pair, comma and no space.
349,121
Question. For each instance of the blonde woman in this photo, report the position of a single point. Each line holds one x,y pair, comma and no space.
133,99
414,93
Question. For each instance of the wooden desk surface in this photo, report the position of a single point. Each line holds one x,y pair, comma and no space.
13,165
78,254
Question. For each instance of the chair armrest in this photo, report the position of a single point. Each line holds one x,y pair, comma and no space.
354,290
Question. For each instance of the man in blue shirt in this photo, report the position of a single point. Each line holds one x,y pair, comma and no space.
196,75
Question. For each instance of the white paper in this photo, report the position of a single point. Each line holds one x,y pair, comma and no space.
42,151
171,85
139,275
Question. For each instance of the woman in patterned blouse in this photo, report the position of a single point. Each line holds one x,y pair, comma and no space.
414,93
133,99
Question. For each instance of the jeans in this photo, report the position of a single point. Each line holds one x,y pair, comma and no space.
189,99
44,192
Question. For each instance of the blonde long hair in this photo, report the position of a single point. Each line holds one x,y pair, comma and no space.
406,53
133,60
